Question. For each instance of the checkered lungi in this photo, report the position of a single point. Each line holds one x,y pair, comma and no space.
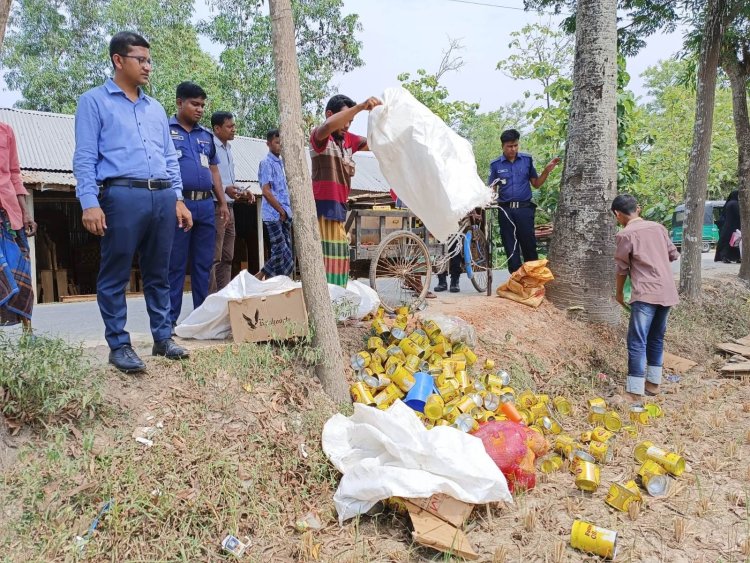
16,291
281,261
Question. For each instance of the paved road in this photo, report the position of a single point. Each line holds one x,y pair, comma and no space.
81,322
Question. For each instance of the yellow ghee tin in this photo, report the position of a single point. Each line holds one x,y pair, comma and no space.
601,451
654,410
585,436
631,430
593,539
588,476
402,378
360,360
639,452
526,399
381,329
580,456
639,415
550,464
622,496
596,414
433,406
388,396
562,405
612,421
542,399
374,342
361,394
654,478
466,423
462,378
551,426
597,402
565,445
601,434
671,462
489,364
451,413
412,363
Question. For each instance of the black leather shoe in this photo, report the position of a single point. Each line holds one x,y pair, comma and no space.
126,360
455,288
442,286
169,349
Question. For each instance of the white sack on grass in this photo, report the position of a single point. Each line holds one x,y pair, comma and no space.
429,166
390,453
210,321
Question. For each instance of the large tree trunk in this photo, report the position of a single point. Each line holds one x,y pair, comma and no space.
581,253
330,370
697,181
4,14
738,73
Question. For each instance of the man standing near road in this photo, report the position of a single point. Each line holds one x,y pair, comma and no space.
331,151
201,182
222,123
513,174
129,186
277,210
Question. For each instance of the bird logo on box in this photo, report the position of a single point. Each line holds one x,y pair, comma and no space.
252,322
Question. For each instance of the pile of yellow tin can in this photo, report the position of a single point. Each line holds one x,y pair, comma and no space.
463,392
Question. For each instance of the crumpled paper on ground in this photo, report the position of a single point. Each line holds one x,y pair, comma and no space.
526,285
390,453
210,321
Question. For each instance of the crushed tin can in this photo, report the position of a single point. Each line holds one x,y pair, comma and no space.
374,342
395,351
621,496
539,411
588,476
542,399
489,364
526,417
449,392
381,329
653,478
466,404
593,539
596,414
551,463
562,405
451,413
654,410
601,434
551,426
388,396
233,545
360,360
490,401
403,378
565,445
639,452
585,436
597,402
612,421
526,399
381,353
631,430
601,451
639,415
673,463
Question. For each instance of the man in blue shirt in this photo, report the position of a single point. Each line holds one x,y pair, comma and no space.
276,210
201,182
513,174
129,186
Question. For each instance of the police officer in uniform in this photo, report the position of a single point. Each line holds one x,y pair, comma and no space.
201,181
129,187
513,174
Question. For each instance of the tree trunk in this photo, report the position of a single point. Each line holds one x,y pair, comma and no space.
582,249
697,182
738,74
307,246
4,14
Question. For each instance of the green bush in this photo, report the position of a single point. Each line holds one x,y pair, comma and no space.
46,378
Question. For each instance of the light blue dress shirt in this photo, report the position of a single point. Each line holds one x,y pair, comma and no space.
117,138
271,171
226,165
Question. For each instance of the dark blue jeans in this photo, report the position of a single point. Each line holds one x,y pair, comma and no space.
648,323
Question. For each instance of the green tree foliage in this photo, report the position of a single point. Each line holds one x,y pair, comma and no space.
326,44
55,51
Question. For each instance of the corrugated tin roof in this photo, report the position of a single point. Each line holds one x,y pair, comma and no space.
46,142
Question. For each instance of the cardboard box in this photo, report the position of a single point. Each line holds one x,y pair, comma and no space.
271,317
434,525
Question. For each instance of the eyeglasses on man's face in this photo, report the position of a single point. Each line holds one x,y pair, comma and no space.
143,61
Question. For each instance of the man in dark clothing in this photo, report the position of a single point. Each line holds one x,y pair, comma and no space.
731,215
513,174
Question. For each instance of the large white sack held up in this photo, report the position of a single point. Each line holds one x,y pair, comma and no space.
210,321
390,453
429,166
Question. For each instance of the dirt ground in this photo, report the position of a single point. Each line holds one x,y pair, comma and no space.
236,449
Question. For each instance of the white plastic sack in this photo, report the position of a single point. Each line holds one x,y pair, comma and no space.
429,166
210,321
390,453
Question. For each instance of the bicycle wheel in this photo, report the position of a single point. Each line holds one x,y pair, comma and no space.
479,260
397,269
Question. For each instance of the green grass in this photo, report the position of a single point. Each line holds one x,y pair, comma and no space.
43,379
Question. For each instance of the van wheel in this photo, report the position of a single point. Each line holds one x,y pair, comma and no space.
706,247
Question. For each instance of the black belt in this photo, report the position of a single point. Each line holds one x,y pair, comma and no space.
135,183
516,204
196,195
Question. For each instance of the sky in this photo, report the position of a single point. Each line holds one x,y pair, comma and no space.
406,35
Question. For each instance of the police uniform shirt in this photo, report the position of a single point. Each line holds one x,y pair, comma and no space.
513,177
195,152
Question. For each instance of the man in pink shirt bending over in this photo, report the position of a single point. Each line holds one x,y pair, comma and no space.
644,252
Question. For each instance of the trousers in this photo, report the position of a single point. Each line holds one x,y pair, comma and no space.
221,273
648,323
142,221
519,240
197,246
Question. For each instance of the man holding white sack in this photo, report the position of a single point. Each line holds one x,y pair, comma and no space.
331,150
513,174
